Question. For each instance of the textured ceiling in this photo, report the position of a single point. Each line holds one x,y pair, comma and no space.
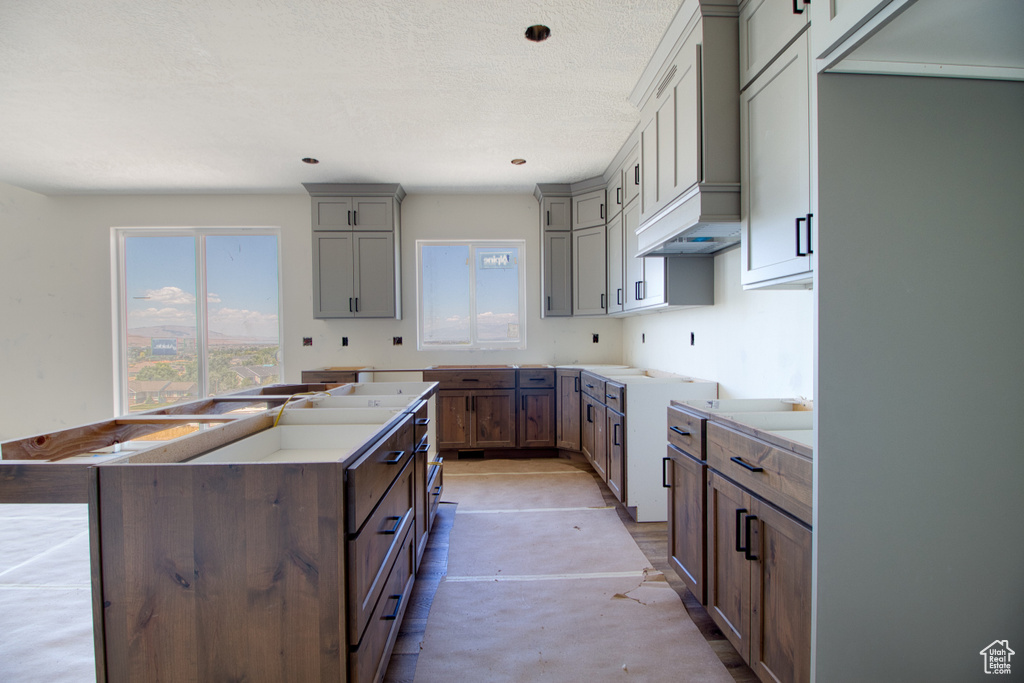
228,95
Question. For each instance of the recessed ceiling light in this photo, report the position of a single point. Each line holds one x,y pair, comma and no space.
310,160
519,162
538,33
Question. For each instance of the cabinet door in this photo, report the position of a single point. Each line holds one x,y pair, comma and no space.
588,427
634,268
589,263
648,165
568,409
599,415
631,177
652,291
333,290
687,539
616,433
536,418
373,213
780,629
616,286
728,577
588,210
614,195
332,213
766,28
374,262
556,213
775,155
557,274
454,419
494,418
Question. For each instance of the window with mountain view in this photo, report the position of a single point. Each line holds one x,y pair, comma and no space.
199,313
471,294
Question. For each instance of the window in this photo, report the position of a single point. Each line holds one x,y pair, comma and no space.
198,313
471,295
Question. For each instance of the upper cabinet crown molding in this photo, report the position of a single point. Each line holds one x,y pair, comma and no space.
356,190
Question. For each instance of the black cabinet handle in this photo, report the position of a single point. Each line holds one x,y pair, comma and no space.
549,303
350,304
590,386
809,217
470,379
799,252
740,548
355,220
746,527
796,8
537,379
636,172
664,473
357,304
615,434
589,406
614,397
395,460
437,490
398,607
602,302
742,463
602,212
349,218
548,219
393,530
576,388
618,195
618,297
422,421
423,447
679,431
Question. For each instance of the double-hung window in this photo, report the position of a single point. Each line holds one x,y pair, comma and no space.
471,294
197,311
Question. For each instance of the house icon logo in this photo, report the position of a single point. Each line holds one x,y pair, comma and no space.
997,657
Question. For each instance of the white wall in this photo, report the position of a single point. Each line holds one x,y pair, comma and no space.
920,461
56,304
755,343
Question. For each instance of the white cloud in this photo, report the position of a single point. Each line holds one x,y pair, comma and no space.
161,316
212,298
243,323
171,295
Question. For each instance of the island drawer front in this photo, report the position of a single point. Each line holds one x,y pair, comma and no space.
784,479
592,385
537,378
369,478
615,395
472,379
372,553
369,660
686,432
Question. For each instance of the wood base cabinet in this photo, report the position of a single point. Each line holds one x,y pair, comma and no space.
759,578
686,478
569,409
484,418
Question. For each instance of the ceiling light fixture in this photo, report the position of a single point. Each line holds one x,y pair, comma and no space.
310,160
538,33
518,162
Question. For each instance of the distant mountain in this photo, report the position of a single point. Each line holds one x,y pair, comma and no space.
138,335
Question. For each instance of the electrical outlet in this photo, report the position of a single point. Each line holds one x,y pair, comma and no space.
344,341
307,341
396,341
595,338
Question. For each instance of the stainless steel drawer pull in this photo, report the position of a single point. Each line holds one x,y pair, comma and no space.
742,463
679,431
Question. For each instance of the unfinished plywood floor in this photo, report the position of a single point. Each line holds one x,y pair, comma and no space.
649,538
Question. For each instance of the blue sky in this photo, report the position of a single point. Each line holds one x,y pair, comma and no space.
242,283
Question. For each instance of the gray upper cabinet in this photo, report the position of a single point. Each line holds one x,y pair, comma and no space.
588,210
589,263
615,246
777,143
557,265
766,28
356,250
556,213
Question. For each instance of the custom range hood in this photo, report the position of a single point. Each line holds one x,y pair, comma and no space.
689,134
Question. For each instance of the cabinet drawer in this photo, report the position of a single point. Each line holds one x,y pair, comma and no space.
472,379
369,478
368,662
615,395
536,378
783,478
592,385
372,553
686,432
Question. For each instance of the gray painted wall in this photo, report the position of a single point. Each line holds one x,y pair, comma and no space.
920,459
